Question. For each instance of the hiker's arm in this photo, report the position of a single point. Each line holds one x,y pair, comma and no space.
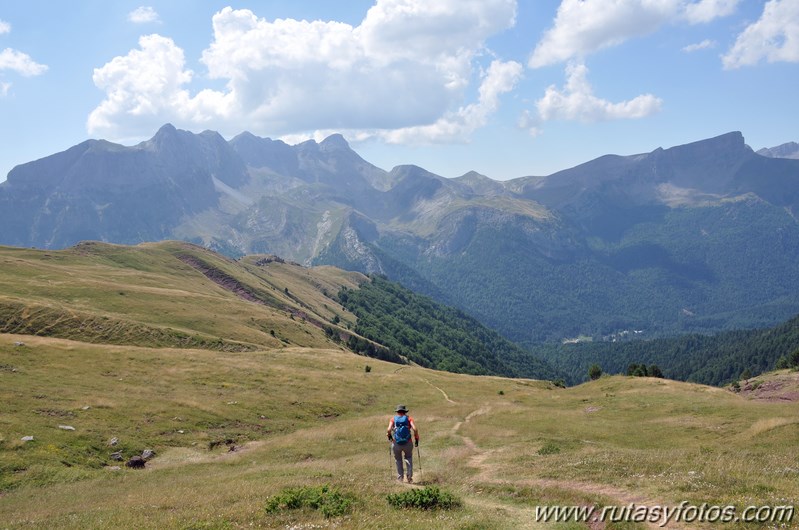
415,431
390,428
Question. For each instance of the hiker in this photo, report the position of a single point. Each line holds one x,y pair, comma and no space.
399,433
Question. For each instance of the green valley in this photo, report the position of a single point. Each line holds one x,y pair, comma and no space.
109,351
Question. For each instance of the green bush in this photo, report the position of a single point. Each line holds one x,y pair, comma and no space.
427,498
549,448
330,501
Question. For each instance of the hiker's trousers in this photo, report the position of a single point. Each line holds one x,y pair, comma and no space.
403,452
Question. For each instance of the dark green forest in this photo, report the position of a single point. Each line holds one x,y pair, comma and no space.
711,360
691,270
434,335
437,336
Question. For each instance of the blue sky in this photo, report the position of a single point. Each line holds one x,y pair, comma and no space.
504,87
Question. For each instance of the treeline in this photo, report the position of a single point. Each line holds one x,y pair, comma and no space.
364,346
712,360
434,335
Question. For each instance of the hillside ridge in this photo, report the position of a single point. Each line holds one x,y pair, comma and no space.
669,242
104,293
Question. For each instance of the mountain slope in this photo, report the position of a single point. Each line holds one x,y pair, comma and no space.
434,335
695,238
103,191
701,237
178,295
167,288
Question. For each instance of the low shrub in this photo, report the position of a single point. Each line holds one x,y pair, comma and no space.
427,498
549,448
330,501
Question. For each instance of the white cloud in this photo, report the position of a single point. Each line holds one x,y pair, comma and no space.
16,61
705,44
582,27
500,78
708,10
774,37
143,15
577,102
145,88
21,63
408,63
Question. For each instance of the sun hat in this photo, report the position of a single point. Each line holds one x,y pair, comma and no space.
401,408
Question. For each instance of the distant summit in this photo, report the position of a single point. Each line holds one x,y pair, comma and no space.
787,150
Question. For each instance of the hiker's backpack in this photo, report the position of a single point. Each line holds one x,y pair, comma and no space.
402,429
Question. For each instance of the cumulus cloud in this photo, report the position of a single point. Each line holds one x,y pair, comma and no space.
146,88
577,102
21,63
500,78
773,38
705,44
143,15
708,10
5,27
408,63
582,27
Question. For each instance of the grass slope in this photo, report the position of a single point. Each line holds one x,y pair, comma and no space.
167,294
312,417
233,427
175,294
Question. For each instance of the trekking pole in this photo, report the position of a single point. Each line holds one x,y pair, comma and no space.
391,462
419,455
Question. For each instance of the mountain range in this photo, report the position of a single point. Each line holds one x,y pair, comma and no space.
700,237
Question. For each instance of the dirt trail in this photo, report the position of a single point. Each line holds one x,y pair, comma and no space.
487,472
440,390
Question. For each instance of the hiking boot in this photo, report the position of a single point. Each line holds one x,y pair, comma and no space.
410,480
399,479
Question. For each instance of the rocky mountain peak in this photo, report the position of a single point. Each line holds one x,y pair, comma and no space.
725,144
165,135
786,150
334,142
473,176
166,130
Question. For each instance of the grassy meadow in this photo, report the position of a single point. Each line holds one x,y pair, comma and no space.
232,427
